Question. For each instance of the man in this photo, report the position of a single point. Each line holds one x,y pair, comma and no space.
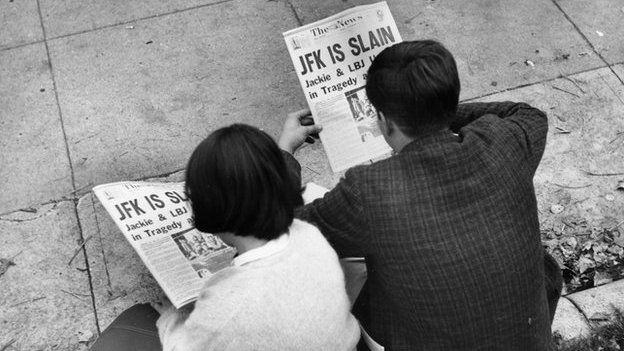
448,225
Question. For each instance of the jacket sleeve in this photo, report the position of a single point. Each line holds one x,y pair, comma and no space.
339,215
521,123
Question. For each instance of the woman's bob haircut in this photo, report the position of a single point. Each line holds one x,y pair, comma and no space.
238,182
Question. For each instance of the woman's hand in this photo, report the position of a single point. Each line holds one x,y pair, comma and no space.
295,132
163,305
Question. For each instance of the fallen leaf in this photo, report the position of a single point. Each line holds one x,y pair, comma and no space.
584,264
4,265
600,258
551,244
609,197
619,239
600,34
602,278
572,242
616,250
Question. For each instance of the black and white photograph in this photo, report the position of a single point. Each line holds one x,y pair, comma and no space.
261,175
199,248
364,114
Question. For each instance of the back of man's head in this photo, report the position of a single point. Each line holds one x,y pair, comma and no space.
415,84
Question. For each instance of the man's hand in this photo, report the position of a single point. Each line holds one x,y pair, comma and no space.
295,132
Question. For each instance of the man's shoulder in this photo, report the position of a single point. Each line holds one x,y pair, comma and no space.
379,167
370,179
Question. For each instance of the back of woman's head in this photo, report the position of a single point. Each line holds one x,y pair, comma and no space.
238,182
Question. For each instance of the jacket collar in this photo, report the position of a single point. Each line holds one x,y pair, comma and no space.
437,137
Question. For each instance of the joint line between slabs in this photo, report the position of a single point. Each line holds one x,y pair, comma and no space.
292,8
69,160
135,20
21,45
56,97
108,281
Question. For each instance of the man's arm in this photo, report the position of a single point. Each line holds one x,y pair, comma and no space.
527,125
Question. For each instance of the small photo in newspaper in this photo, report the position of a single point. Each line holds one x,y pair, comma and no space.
364,114
202,251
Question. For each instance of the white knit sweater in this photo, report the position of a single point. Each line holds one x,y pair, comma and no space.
294,299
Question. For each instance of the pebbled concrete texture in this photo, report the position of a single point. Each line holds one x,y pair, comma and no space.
137,101
583,121
19,23
45,303
34,163
601,23
72,16
491,40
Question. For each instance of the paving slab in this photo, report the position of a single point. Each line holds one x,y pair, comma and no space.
137,101
45,304
569,322
19,23
490,39
34,168
602,22
599,302
582,127
72,16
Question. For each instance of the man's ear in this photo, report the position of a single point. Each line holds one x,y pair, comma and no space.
386,125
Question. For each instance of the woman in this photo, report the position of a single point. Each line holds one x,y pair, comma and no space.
285,289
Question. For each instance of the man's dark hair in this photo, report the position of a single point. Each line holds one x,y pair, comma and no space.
416,85
238,182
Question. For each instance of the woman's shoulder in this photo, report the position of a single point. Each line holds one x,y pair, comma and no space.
308,240
302,231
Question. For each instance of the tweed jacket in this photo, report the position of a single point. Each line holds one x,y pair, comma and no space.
450,233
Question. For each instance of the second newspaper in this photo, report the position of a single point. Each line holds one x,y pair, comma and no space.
331,58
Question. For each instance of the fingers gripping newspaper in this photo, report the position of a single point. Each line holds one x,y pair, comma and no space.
156,219
331,58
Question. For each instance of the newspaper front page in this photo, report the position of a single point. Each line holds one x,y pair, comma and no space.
156,219
331,58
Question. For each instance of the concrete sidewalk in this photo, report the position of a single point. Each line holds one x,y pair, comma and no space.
99,91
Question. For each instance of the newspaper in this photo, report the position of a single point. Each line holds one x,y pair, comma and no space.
156,219
331,58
